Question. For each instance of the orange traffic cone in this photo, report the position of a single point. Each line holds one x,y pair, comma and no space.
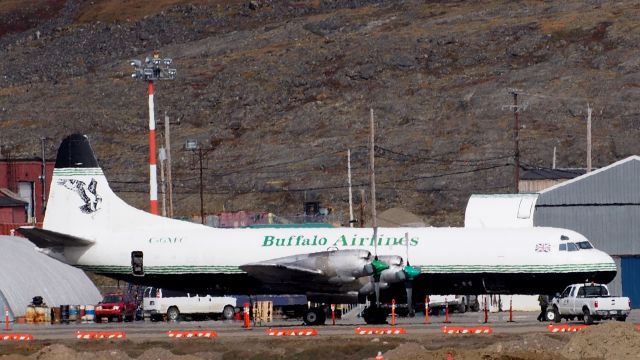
379,356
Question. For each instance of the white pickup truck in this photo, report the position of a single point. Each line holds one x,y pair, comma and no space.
588,302
157,302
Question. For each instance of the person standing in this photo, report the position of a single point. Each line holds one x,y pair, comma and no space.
543,300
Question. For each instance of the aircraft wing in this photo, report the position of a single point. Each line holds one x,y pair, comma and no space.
46,238
332,268
273,272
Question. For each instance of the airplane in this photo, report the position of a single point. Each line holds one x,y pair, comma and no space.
88,226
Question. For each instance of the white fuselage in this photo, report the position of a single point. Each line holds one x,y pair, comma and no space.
173,247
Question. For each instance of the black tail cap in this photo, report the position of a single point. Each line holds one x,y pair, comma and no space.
75,152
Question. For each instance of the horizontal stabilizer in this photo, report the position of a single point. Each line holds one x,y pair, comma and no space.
47,238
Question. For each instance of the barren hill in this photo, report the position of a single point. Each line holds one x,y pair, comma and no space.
281,89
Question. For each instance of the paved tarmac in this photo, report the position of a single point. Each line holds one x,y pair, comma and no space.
523,322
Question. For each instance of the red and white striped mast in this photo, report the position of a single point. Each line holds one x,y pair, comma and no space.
153,174
151,70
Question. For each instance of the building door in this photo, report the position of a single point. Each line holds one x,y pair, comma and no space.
630,270
25,191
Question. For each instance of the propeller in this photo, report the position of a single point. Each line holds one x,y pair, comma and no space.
410,273
378,267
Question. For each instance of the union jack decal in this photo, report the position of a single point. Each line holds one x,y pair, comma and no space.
543,247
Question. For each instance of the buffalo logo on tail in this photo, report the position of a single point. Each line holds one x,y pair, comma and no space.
87,193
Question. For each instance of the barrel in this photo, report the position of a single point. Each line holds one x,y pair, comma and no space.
55,315
64,314
30,314
41,314
73,313
89,312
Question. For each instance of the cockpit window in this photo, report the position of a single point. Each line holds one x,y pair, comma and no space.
563,247
572,247
584,245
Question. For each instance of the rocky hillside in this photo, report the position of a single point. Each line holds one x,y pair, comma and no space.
279,90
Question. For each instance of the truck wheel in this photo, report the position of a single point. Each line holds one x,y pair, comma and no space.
622,318
228,312
588,319
173,313
314,316
556,315
550,314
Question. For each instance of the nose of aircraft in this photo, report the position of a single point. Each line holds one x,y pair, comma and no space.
606,267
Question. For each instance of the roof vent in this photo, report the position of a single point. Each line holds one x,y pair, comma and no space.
564,237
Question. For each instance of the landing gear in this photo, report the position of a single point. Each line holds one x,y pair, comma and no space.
375,315
314,316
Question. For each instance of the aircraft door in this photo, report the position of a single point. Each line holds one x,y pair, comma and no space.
137,265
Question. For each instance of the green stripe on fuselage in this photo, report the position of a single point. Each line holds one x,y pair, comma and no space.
425,269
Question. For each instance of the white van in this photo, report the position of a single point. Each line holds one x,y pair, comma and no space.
158,302
460,303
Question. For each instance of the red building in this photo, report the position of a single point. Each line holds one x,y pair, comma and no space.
22,180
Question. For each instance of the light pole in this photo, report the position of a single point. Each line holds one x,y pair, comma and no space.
154,68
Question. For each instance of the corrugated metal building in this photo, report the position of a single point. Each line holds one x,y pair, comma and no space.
25,273
603,205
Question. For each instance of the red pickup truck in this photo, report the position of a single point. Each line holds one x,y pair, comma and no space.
116,307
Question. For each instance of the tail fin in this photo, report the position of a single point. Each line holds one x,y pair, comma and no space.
81,203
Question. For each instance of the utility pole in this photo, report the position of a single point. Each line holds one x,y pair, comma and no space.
516,137
588,138
350,193
193,146
43,177
162,156
372,174
553,166
167,145
151,71
516,173
361,208
200,155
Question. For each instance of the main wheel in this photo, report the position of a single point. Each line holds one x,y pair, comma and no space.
314,316
588,319
462,308
375,315
228,312
173,313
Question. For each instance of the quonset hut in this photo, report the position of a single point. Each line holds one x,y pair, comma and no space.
26,273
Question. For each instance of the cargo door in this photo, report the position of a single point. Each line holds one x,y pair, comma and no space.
630,273
137,265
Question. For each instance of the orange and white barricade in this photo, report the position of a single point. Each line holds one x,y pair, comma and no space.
292,332
97,335
380,331
466,330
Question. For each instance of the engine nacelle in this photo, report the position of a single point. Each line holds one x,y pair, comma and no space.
395,271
